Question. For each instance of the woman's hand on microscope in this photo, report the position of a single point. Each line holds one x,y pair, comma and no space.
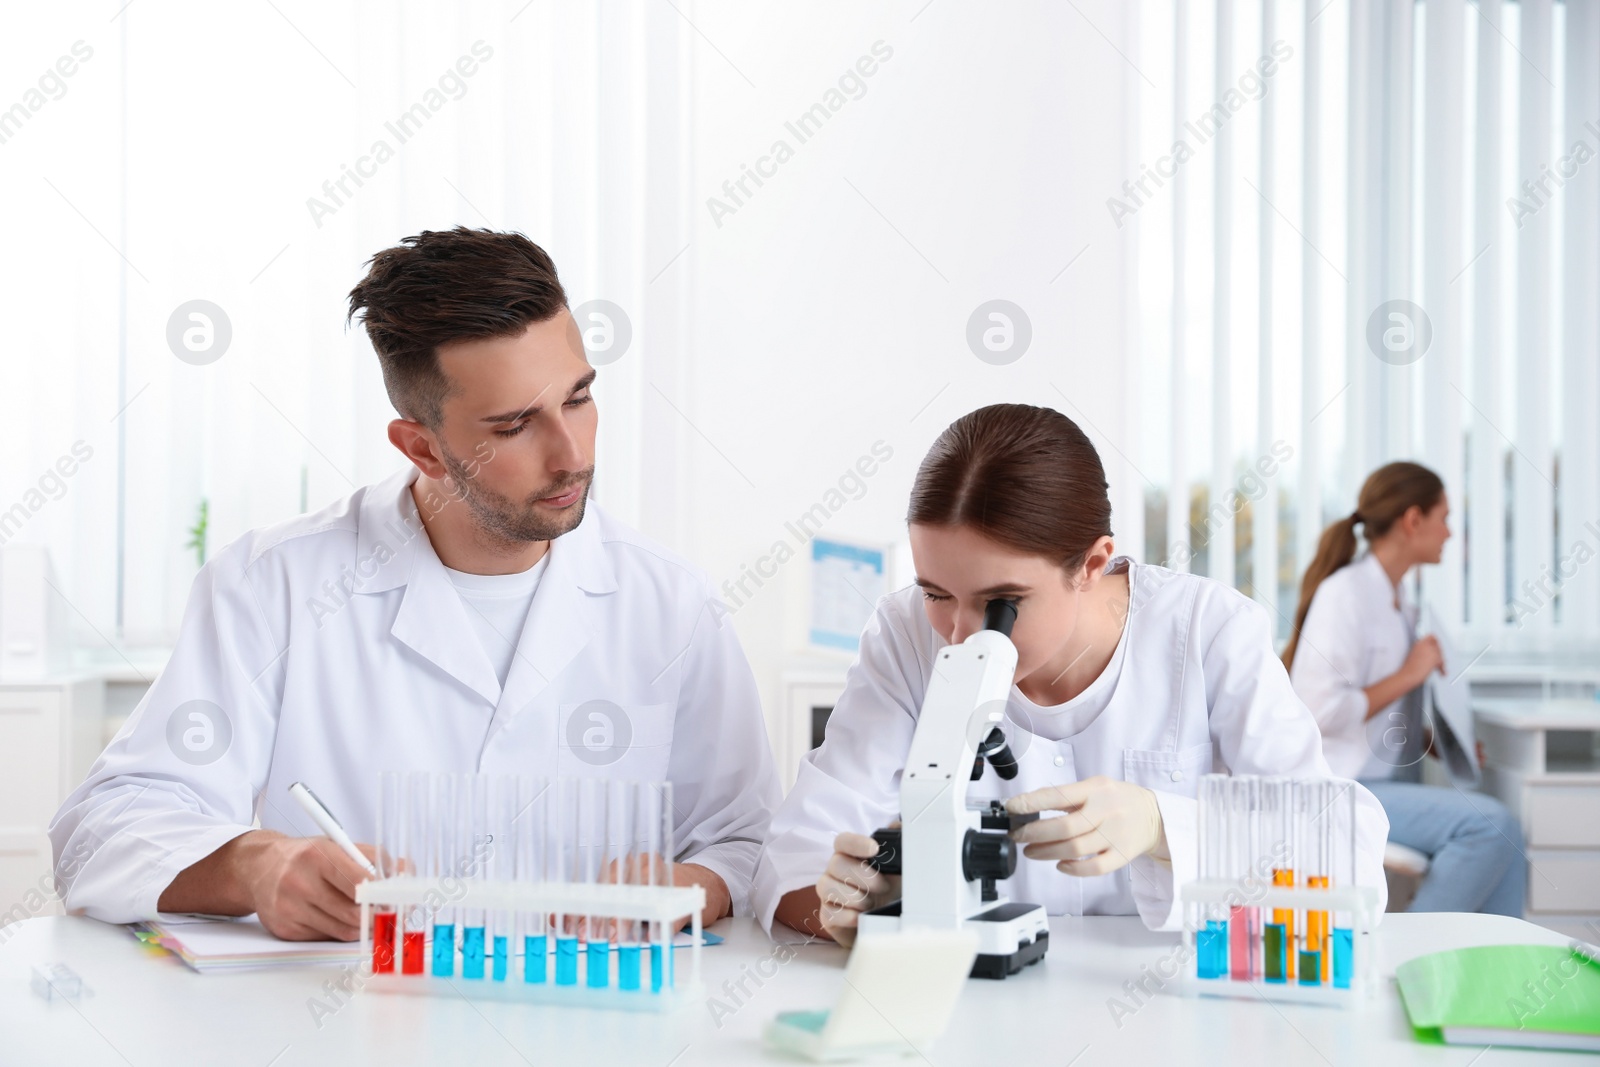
1107,824
849,887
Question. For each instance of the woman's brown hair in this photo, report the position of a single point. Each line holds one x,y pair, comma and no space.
1025,477
1387,494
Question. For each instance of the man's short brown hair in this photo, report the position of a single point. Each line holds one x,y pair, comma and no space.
443,286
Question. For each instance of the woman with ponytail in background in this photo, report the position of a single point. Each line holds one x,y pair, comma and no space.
1355,659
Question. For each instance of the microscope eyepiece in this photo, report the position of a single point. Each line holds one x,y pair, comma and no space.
1000,615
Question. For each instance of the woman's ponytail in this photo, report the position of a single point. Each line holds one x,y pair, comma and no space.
1336,548
1387,494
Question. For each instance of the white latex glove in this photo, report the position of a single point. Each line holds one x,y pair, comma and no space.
1108,824
848,887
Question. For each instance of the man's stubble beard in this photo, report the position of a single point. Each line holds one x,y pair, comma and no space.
502,519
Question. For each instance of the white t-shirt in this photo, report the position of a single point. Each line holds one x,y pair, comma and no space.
1359,631
497,605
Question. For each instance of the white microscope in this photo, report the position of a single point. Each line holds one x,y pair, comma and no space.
948,855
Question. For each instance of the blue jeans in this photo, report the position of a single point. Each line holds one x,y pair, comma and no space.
1473,841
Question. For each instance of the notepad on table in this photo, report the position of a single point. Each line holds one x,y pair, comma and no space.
222,944
1528,996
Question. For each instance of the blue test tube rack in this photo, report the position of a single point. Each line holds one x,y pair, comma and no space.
603,983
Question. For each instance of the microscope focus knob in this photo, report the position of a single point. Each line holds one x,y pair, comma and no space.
988,856
887,859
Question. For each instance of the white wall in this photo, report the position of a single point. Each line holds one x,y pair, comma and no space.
771,351
989,140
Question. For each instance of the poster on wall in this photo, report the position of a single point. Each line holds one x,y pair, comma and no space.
846,582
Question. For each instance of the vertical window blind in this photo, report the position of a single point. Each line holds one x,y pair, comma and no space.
1369,230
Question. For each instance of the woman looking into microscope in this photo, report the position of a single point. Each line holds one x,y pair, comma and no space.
1132,682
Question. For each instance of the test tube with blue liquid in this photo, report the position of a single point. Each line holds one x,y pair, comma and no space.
592,797
568,868
474,853
622,813
658,815
533,844
443,860
502,867
1341,830
1211,939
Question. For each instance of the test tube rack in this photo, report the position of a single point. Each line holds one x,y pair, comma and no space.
515,887
1359,901
1276,912
659,989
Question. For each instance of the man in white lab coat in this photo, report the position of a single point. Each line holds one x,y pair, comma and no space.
475,612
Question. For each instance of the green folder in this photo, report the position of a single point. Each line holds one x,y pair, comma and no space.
1530,996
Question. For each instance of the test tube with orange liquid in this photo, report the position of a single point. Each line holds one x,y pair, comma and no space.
1312,800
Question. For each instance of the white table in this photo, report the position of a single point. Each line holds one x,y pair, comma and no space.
144,1007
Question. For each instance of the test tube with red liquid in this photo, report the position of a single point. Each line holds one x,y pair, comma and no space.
1243,865
414,850
391,803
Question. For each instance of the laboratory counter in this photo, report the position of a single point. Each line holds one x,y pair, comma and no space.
1106,993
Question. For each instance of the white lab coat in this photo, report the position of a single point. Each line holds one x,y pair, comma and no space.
1200,691
1355,635
331,688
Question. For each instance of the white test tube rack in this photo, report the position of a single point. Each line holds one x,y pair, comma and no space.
1360,902
655,904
